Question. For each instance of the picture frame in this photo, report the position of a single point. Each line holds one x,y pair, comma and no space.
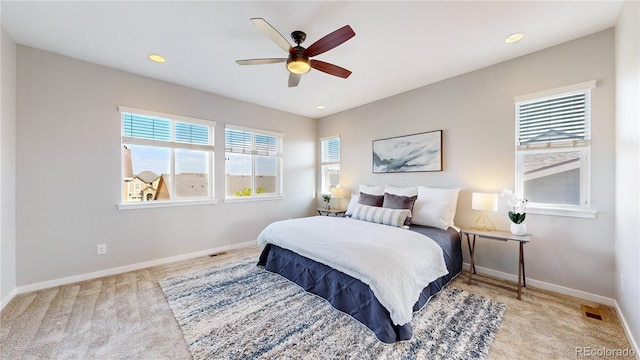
420,152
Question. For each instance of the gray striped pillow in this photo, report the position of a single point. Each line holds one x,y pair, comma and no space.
380,215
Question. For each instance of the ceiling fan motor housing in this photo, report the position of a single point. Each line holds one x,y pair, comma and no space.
298,37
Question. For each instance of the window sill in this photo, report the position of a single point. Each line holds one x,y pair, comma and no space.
577,213
162,204
253,198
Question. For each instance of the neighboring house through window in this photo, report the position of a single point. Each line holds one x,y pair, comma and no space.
329,164
553,133
253,163
165,158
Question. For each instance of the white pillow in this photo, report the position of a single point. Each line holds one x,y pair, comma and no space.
352,204
408,191
380,215
435,207
372,189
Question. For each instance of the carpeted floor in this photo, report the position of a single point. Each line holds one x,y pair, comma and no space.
127,316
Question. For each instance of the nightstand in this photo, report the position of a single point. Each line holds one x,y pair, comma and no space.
501,236
334,212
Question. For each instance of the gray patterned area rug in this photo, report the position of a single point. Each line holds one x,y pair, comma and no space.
240,311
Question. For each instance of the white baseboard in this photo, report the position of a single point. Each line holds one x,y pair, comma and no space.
8,298
627,331
544,285
122,269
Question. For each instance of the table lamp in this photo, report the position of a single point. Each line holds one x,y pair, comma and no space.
337,193
484,202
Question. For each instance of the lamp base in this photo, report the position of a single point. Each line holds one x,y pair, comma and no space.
484,223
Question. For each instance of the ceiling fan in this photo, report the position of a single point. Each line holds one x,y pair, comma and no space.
298,62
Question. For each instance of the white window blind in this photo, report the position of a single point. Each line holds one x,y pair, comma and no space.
238,141
266,145
192,134
146,127
163,132
241,141
554,121
331,150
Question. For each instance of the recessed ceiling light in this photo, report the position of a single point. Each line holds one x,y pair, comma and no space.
156,58
513,38
320,107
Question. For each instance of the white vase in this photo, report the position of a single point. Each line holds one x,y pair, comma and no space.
519,229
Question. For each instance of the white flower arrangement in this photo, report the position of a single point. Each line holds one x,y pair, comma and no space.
518,206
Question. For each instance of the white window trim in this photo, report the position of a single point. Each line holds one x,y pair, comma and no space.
279,155
587,85
162,204
166,116
253,130
172,203
584,210
253,198
540,209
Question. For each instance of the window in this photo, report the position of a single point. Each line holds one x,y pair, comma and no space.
166,159
253,163
329,163
553,147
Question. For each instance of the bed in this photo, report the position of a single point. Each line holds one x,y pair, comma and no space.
343,289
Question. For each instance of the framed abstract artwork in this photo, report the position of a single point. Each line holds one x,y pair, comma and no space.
410,153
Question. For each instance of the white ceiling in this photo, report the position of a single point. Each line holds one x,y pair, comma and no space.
398,46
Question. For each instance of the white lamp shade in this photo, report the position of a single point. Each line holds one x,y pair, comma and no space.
337,193
484,202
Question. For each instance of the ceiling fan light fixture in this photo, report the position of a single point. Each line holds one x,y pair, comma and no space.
298,64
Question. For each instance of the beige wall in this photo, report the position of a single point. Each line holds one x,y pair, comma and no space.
7,169
476,112
627,229
68,127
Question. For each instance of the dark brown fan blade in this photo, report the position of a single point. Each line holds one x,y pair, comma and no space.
330,41
330,69
272,33
294,79
261,61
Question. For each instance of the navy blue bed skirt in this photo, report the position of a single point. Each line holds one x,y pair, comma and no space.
351,295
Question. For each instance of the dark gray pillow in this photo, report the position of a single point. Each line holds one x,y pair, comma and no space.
399,202
371,200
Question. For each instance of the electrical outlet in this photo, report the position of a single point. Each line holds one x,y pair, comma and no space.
101,249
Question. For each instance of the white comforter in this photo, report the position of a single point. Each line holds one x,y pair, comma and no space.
396,263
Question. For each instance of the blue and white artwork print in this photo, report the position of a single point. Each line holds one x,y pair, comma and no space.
418,152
